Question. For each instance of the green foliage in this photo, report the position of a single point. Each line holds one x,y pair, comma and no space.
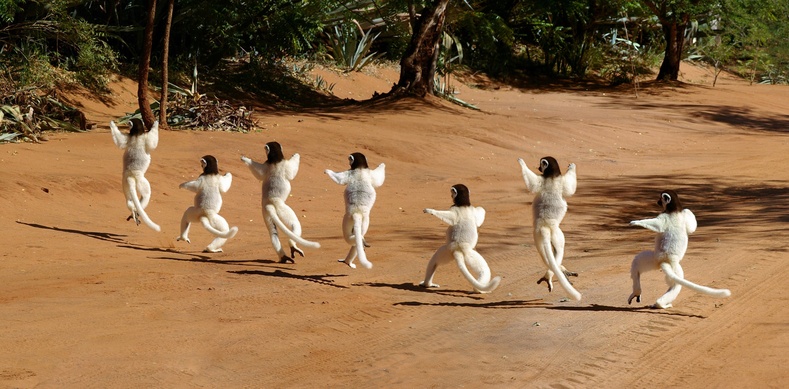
488,40
562,36
758,33
268,29
46,40
711,51
63,41
351,51
450,53
28,65
623,60
9,8
323,85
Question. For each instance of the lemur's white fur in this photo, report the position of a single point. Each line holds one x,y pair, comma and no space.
461,240
359,199
207,203
136,159
671,242
548,209
276,179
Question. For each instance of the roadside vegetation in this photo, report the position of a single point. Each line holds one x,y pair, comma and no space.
264,48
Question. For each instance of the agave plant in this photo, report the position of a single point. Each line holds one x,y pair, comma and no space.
442,85
351,51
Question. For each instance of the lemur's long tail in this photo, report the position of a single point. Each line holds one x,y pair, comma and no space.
666,267
460,258
357,232
222,234
132,182
272,212
548,250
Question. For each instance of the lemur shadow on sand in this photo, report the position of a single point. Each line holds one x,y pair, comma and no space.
105,236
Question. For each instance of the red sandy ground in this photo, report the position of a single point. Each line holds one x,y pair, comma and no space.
90,300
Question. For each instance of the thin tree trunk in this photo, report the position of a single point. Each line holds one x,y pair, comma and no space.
418,65
412,20
674,33
165,65
145,64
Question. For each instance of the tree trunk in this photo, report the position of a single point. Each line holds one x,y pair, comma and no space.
418,65
674,33
165,65
412,21
145,64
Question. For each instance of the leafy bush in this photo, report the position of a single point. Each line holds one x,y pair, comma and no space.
621,60
487,39
48,42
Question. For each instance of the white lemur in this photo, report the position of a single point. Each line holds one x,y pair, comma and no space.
548,209
208,201
137,146
673,226
276,174
360,187
463,220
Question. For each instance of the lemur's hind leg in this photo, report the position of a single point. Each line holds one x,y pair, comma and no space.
129,193
350,257
144,190
673,291
347,232
274,237
191,215
557,243
442,255
642,263
542,241
289,218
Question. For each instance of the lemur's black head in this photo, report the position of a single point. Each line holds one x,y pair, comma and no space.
357,161
210,165
137,127
549,167
669,201
274,152
460,195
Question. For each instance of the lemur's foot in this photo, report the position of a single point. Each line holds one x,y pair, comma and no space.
637,297
210,250
431,285
662,304
286,259
294,250
183,238
350,264
135,217
568,273
365,244
547,281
